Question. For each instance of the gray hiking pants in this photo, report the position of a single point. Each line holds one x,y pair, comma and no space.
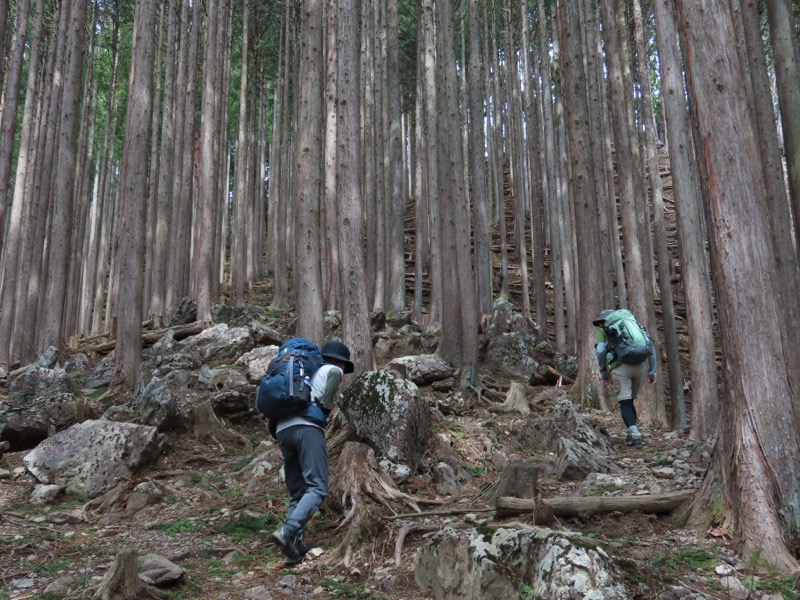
629,378
305,458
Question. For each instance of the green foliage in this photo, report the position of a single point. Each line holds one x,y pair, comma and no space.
457,433
243,527
479,471
179,526
786,587
351,591
526,593
675,563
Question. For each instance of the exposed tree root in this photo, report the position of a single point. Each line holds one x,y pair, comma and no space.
516,401
360,492
106,502
206,426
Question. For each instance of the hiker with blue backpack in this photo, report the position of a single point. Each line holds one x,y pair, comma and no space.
297,393
625,353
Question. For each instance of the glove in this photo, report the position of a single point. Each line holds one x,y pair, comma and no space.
652,381
606,381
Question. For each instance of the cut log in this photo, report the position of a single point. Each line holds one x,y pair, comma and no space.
574,506
509,506
149,337
547,375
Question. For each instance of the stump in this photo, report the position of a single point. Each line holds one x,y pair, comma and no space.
516,401
206,426
518,480
361,491
122,582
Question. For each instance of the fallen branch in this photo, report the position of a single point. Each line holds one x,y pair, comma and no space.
436,513
573,506
149,337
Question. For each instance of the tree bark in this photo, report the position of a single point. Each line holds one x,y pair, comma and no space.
133,198
690,221
355,310
306,277
760,477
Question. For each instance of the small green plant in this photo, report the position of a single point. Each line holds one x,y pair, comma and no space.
526,593
179,526
195,479
477,471
786,587
243,528
457,433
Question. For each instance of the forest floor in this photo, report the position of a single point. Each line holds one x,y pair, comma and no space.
218,531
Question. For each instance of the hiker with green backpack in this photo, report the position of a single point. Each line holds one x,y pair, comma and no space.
625,353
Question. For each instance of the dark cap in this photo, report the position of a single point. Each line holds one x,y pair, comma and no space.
601,319
334,350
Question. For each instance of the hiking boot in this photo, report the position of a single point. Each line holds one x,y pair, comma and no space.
302,549
290,562
636,440
629,439
283,538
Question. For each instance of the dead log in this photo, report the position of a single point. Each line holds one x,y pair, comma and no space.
122,582
149,337
574,506
516,401
547,375
206,426
509,506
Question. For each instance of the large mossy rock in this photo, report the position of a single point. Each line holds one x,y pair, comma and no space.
387,413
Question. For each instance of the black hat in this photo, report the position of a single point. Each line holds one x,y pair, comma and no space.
601,319
338,351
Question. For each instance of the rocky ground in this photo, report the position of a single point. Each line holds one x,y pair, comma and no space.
209,509
215,527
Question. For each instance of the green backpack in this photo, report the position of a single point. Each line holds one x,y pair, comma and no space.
627,339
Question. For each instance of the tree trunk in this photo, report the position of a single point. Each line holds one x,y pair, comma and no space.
59,251
15,274
690,220
783,35
761,479
395,231
673,361
480,203
133,198
306,276
330,256
163,203
238,267
10,103
582,178
355,310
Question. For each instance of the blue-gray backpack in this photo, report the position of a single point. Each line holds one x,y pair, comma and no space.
629,341
285,389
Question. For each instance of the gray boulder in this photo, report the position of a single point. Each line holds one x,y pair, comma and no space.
422,369
102,373
256,362
157,406
512,354
472,564
505,319
219,345
158,571
41,379
387,413
26,425
90,458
